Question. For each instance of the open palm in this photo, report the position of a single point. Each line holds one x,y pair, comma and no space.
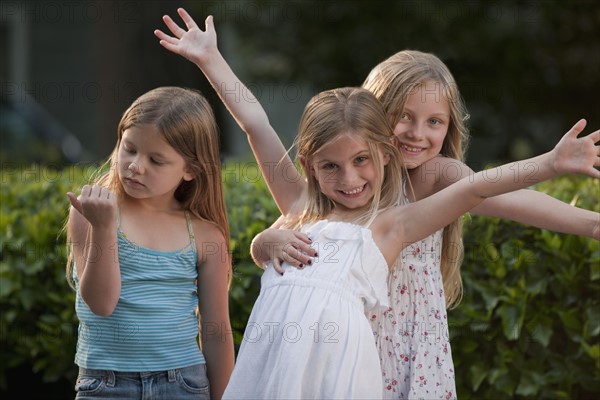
193,44
575,154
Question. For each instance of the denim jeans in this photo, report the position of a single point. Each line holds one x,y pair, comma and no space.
175,384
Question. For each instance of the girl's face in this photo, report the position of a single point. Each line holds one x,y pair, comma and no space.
346,172
148,166
423,124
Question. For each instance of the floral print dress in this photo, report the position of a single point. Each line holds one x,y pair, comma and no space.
412,335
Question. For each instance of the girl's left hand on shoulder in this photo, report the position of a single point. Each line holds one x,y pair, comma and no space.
286,245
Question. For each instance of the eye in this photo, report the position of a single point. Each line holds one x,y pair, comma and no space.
329,166
435,121
128,149
404,116
155,161
361,159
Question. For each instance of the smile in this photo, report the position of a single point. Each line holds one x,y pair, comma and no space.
411,149
353,191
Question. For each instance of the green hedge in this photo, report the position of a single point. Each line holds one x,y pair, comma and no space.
528,326
530,321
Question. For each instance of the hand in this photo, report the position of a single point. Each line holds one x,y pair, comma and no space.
193,44
284,245
97,204
578,155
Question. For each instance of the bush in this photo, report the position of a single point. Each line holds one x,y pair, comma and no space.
250,209
39,326
528,326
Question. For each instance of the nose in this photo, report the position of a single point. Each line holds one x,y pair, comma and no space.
135,167
415,132
348,176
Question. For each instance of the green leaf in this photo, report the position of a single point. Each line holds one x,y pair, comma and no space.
511,321
478,373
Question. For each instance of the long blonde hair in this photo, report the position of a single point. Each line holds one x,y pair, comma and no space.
392,82
187,123
332,113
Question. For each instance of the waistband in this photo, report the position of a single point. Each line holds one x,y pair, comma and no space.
111,376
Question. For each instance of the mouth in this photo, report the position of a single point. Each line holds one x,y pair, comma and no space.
411,149
354,192
133,182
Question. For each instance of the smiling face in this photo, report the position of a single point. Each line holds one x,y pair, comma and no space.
148,166
423,124
347,173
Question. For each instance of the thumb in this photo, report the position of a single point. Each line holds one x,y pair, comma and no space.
209,24
577,128
75,202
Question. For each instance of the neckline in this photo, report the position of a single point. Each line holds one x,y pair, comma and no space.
183,249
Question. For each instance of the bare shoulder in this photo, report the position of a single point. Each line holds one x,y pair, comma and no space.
210,241
207,231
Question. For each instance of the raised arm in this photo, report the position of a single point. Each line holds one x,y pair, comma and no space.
200,47
525,206
397,228
93,229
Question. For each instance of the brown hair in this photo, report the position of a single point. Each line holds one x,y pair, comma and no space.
186,122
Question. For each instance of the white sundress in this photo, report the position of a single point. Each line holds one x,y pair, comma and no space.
308,336
412,335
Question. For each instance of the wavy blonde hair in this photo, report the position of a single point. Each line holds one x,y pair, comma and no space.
335,112
187,123
392,81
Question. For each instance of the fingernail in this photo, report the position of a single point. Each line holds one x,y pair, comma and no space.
316,254
301,266
309,262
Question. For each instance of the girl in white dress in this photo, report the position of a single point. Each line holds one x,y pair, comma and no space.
423,104
308,336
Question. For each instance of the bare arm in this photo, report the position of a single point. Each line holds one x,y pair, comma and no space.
279,245
200,47
93,227
397,228
525,205
217,339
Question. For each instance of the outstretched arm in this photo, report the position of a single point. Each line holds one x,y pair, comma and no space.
200,47
542,211
526,206
397,228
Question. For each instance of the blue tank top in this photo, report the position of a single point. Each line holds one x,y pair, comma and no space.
154,326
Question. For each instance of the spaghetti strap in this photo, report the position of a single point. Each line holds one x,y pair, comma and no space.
188,220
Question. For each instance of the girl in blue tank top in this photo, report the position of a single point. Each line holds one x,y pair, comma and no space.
149,258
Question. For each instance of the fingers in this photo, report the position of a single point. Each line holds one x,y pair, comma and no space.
277,266
173,27
299,255
595,136
96,191
577,128
209,23
164,37
75,202
187,19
